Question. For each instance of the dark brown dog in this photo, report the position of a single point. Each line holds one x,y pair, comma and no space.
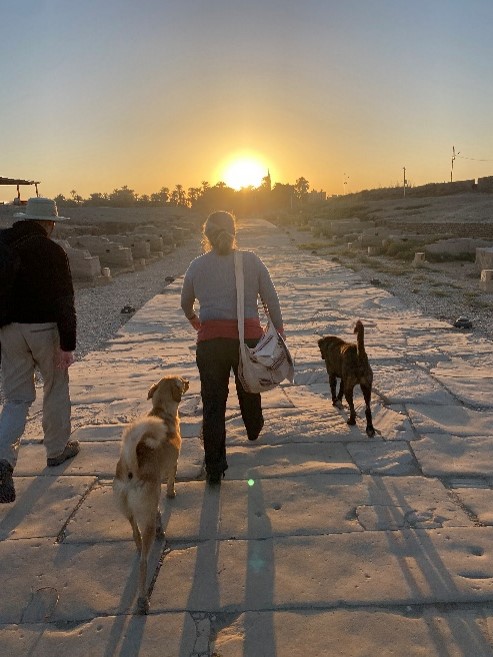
149,456
349,362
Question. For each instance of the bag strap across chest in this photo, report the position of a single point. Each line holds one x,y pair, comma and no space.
240,295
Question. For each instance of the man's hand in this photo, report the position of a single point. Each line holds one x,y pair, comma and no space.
64,359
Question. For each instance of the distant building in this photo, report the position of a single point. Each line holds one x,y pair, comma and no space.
316,197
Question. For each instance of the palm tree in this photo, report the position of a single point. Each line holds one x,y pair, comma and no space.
301,189
181,195
193,195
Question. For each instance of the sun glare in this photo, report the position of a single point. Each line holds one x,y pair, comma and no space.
244,172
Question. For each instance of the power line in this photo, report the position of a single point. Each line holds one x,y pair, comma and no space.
476,159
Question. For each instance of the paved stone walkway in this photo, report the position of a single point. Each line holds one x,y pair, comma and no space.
320,541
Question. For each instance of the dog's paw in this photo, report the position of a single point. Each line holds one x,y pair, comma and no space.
338,404
370,432
351,421
142,606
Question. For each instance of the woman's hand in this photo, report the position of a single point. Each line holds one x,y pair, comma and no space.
195,322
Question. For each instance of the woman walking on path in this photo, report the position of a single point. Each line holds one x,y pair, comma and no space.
210,279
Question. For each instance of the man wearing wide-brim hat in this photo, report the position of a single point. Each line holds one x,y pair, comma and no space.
37,329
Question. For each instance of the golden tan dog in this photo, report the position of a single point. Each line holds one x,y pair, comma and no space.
149,456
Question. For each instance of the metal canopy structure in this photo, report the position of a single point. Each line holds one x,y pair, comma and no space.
18,182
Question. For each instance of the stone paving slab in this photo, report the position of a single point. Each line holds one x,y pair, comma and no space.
444,455
466,347
455,419
471,385
70,570
393,458
95,458
263,508
479,502
421,567
124,411
356,633
391,421
119,388
99,432
259,461
400,384
42,506
263,634
163,635
308,376
447,345
292,426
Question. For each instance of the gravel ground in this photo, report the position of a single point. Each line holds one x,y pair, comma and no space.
441,293
445,291
99,308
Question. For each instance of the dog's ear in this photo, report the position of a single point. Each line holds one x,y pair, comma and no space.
152,390
178,388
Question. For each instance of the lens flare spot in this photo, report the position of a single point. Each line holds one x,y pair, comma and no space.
251,482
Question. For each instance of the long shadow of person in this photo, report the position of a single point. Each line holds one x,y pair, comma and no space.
260,578
204,593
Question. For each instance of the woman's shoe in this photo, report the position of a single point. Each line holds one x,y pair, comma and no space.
214,478
254,436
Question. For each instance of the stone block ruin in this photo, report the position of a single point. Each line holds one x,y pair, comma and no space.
110,253
83,265
484,258
103,242
422,244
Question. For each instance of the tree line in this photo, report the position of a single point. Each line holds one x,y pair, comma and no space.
205,198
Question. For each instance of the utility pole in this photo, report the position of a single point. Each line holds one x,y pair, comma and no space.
454,155
405,181
346,178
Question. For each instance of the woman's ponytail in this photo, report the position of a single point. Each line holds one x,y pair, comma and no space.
219,233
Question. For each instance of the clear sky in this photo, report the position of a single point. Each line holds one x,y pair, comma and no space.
99,94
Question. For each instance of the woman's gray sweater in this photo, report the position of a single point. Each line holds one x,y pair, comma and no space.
210,279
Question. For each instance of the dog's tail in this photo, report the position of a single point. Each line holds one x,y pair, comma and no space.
359,329
150,432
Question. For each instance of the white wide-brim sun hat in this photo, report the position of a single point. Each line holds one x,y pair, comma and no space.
40,209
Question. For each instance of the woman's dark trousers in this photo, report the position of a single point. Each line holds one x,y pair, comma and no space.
215,359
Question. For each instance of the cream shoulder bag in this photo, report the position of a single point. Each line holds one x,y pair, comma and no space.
264,366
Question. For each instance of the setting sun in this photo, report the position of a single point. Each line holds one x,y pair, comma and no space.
244,172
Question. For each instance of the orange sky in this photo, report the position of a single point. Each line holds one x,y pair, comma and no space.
117,93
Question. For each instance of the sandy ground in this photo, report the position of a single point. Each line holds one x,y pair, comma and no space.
442,290
445,290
